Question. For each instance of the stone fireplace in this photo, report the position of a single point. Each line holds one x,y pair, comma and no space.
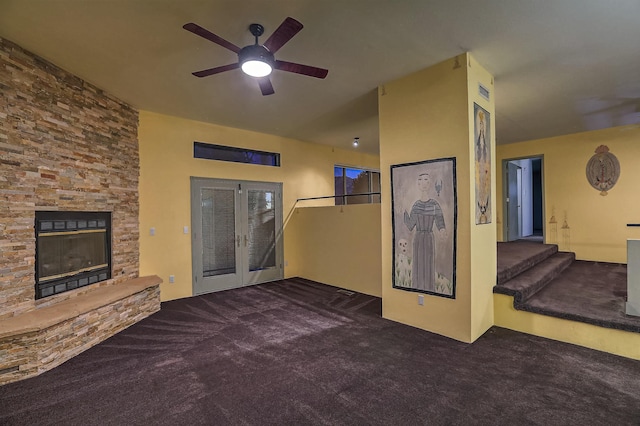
67,150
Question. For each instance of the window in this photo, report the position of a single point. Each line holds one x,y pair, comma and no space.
237,155
349,180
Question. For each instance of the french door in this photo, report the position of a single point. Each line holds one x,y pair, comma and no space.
237,233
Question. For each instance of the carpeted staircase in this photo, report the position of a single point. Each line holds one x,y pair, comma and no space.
524,268
545,281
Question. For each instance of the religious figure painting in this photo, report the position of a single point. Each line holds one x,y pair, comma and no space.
424,212
482,131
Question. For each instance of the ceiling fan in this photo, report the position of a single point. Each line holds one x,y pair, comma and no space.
257,60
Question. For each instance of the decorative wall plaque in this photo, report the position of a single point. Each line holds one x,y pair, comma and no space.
603,170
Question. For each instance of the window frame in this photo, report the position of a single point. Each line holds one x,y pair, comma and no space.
344,197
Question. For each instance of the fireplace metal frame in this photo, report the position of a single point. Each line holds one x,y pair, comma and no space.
65,221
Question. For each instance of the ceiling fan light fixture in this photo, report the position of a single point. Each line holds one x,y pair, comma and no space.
256,60
256,68
356,142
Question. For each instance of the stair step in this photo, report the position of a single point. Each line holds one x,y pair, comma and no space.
529,282
515,258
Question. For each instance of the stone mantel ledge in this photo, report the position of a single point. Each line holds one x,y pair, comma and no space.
42,318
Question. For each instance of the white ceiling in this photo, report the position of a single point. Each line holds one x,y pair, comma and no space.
560,66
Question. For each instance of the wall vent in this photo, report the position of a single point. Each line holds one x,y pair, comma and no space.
483,91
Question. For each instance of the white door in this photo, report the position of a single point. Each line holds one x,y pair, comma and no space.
513,202
520,200
237,233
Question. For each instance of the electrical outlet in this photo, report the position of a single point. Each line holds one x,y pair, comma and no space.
420,299
172,279
152,231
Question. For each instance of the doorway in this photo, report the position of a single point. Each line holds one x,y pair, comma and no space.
523,199
237,233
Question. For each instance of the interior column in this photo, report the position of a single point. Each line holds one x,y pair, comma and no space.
434,114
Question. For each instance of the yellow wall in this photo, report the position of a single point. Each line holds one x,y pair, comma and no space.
166,164
425,116
483,237
597,223
617,342
340,246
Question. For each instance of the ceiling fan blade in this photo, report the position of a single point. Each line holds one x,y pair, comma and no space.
216,70
198,30
265,86
301,69
282,34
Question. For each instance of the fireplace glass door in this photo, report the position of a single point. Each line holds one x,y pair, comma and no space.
237,237
70,252
73,249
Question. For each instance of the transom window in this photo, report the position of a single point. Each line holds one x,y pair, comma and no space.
236,155
350,181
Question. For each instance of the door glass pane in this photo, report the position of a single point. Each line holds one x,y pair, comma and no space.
262,229
218,232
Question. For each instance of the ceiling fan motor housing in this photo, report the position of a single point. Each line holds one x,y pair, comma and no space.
255,52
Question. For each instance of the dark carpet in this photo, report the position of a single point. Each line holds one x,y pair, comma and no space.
300,353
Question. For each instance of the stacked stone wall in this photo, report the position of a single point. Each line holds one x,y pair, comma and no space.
64,145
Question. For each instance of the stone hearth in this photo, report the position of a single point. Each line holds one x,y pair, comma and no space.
39,340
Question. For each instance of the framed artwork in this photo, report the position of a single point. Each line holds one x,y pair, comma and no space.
424,220
482,132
